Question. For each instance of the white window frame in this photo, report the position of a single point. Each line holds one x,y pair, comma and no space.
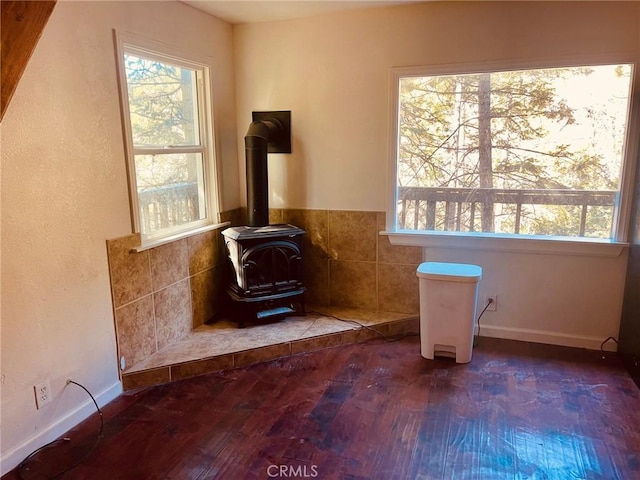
513,242
130,43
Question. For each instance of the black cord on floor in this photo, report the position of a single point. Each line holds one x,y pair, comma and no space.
367,327
477,335
604,342
22,467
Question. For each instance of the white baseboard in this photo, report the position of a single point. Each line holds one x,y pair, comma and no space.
543,336
12,458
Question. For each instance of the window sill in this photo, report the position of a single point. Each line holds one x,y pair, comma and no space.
178,236
507,243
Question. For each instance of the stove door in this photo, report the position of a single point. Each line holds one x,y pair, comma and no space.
272,267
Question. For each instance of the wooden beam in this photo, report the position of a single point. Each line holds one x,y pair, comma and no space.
22,25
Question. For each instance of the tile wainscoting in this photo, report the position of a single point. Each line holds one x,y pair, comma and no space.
164,296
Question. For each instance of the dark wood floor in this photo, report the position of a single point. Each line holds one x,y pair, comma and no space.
374,411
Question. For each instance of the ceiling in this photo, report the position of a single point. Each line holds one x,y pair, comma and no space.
252,11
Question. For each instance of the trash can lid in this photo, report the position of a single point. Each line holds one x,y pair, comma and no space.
450,272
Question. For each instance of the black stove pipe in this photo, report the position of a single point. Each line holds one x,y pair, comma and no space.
256,148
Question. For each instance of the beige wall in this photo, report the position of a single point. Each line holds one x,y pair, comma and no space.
333,73
64,193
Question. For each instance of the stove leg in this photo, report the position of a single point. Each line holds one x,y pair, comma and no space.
303,311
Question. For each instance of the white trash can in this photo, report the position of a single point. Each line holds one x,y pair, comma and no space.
448,297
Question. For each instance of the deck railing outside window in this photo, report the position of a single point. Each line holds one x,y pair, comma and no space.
168,205
459,209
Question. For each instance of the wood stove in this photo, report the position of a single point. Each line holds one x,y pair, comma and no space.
266,260
266,263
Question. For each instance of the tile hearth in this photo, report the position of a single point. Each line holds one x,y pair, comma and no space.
222,345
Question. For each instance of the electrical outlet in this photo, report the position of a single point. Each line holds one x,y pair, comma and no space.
43,394
493,306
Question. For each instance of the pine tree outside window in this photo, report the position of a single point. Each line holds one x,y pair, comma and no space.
529,153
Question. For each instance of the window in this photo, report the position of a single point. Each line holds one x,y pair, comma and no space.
521,152
166,104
